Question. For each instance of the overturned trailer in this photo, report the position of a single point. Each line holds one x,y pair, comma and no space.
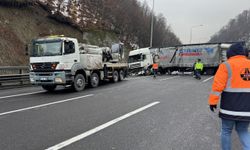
182,57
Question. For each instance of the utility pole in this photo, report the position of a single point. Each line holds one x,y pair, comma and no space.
152,25
191,32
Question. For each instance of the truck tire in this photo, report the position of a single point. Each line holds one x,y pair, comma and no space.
162,71
115,76
79,83
49,88
94,80
121,75
210,71
169,72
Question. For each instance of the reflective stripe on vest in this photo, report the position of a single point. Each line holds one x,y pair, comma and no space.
235,102
216,93
233,113
237,90
229,71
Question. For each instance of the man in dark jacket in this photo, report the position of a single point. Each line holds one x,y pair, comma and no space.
232,83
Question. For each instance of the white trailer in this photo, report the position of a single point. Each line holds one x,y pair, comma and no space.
165,59
183,57
58,60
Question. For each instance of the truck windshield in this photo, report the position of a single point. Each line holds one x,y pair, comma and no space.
135,58
46,48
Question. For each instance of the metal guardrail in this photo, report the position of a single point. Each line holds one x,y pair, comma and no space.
14,75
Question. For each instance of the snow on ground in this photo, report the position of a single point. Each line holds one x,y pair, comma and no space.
64,10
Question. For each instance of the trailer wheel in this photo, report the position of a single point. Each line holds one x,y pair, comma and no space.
162,71
210,71
49,88
94,80
115,77
169,72
121,75
79,83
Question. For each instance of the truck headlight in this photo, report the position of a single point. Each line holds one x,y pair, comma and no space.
32,79
58,80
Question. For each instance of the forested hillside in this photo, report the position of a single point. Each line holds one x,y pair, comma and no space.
128,18
237,29
19,24
98,22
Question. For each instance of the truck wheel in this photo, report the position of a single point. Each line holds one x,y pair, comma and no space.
121,75
94,80
49,88
169,72
162,71
210,71
115,77
79,83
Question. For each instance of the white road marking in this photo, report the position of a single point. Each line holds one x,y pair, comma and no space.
207,79
136,78
23,94
168,78
99,128
43,105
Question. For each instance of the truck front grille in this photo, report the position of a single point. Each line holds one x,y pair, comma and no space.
46,66
133,66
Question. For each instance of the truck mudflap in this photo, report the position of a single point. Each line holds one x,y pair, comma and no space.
44,78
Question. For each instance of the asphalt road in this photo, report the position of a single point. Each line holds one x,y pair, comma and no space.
139,113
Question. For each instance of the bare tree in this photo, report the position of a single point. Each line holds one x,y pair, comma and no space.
237,29
130,19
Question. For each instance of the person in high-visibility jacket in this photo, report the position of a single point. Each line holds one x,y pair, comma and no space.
232,84
198,67
155,69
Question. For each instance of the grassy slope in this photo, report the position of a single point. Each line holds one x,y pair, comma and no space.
18,26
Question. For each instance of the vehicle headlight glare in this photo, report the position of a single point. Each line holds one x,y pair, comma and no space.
32,80
58,80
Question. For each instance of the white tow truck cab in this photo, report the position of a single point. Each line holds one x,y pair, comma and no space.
59,60
140,60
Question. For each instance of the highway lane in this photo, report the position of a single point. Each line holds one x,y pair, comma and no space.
181,120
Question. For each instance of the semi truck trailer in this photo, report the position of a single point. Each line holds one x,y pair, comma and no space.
180,58
183,57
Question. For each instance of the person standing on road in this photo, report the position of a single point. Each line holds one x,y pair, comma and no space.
155,69
198,67
232,83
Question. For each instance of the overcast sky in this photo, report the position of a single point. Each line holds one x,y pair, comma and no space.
182,15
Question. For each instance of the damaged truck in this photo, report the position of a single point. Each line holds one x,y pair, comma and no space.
179,58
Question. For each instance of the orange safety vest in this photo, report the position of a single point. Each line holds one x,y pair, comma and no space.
232,83
155,66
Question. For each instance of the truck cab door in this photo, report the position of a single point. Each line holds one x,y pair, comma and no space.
70,53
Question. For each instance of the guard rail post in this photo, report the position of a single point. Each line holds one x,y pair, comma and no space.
21,72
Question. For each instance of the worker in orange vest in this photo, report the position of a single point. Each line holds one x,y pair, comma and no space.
155,69
232,84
